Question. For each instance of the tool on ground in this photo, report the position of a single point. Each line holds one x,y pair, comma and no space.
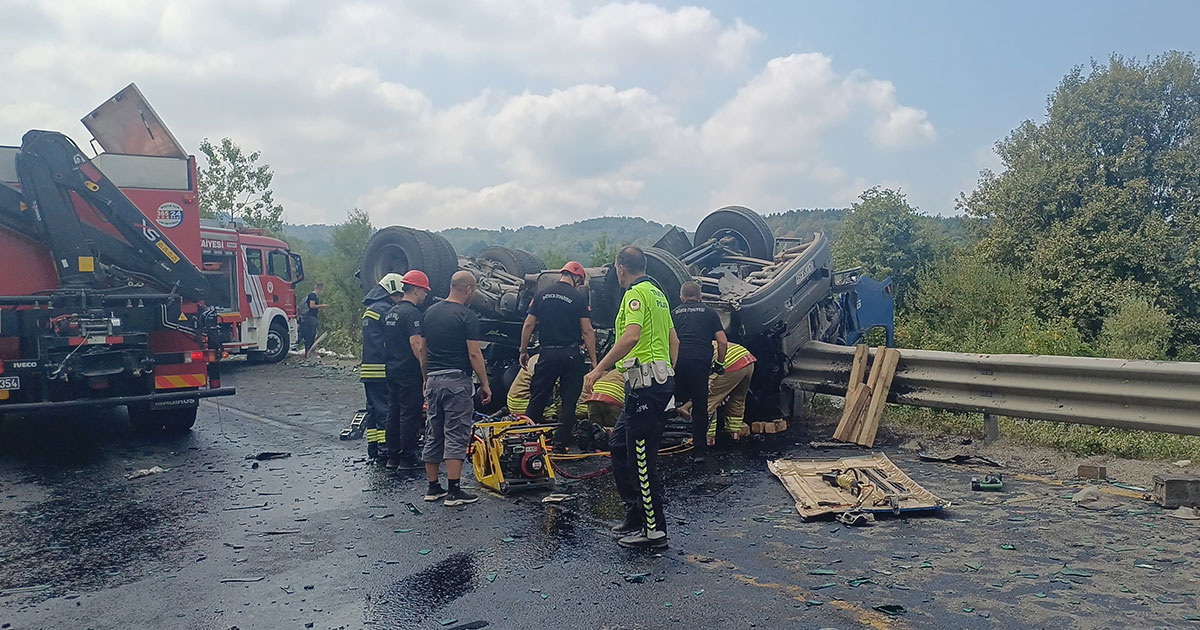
871,484
865,402
511,454
988,483
356,429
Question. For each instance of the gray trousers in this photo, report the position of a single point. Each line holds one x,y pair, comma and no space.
450,416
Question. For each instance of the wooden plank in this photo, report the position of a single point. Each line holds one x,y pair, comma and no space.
857,370
780,426
886,372
859,405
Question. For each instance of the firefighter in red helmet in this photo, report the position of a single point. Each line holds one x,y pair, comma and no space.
560,316
406,354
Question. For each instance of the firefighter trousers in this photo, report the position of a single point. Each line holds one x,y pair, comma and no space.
376,420
564,366
406,407
634,444
729,388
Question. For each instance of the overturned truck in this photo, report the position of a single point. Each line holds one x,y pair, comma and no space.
773,293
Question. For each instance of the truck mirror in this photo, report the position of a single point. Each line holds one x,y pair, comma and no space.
298,267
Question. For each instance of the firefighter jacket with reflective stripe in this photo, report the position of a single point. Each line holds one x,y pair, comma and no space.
736,357
374,350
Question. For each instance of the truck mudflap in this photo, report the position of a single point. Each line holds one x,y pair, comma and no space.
167,400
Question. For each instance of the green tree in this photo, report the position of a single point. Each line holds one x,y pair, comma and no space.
887,237
604,252
1101,202
1136,330
336,268
554,259
233,185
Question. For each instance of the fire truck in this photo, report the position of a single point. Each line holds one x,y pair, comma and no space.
103,301
251,279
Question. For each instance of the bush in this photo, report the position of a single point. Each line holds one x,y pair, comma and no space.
1136,330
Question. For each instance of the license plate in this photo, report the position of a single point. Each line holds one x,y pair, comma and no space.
9,383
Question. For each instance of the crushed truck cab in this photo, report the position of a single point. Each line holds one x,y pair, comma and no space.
102,298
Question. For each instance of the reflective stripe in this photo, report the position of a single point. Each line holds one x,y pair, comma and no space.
643,471
372,314
372,370
737,357
607,391
180,380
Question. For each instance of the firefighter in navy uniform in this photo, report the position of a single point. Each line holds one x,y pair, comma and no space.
643,353
373,370
560,315
406,373
697,326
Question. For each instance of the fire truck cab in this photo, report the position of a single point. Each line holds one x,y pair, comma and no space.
251,279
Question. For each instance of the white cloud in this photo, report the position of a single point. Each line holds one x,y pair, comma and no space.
483,113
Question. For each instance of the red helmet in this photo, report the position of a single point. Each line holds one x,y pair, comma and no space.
417,279
575,269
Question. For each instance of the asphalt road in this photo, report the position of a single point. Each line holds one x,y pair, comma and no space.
321,539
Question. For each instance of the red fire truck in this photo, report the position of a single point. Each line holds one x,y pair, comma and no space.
102,298
252,279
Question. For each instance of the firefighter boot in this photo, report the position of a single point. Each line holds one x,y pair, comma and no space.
631,525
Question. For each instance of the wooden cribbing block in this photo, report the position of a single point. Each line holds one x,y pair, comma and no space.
857,370
780,426
882,375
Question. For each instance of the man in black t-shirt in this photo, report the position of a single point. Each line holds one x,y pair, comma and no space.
560,315
308,318
698,326
405,372
451,337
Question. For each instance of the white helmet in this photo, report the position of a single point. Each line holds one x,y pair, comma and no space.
392,283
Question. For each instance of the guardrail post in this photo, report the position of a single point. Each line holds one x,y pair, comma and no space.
991,428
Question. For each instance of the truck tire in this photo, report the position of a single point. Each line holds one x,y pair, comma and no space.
278,343
667,271
144,420
517,262
749,232
398,249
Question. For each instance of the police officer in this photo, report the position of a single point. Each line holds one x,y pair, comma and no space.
698,326
373,369
644,353
405,372
560,315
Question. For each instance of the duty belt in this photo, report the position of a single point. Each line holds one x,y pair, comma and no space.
643,375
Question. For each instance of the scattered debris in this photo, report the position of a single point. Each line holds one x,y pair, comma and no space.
243,580
24,589
891,610
471,625
247,507
856,518
557,498
637,578
961,457
832,444
1175,491
265,455
1186,513
1183,463
874,484
988,483
1091,471
145,472
412,508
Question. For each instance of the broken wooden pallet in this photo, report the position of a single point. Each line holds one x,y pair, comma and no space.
865,402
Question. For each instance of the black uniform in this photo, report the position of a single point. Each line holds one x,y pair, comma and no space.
308,325
697,325
558,309
373,374
406,401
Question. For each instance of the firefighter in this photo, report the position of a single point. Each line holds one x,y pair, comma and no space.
607,398
727,389
373,370
698,327
559,313
644,353
405,372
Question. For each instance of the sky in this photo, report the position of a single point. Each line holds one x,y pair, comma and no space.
490,113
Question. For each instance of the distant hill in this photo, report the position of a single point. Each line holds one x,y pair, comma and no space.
576,240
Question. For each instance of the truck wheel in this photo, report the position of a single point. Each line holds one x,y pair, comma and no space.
278,342
667,271
144,420
517,262
747,232
398,249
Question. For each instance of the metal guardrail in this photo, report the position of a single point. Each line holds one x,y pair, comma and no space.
1146,395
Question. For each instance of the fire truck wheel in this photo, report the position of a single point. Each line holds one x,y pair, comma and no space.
746,230
277,343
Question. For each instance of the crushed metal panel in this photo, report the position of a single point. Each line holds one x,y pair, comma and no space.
815,497
127,124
